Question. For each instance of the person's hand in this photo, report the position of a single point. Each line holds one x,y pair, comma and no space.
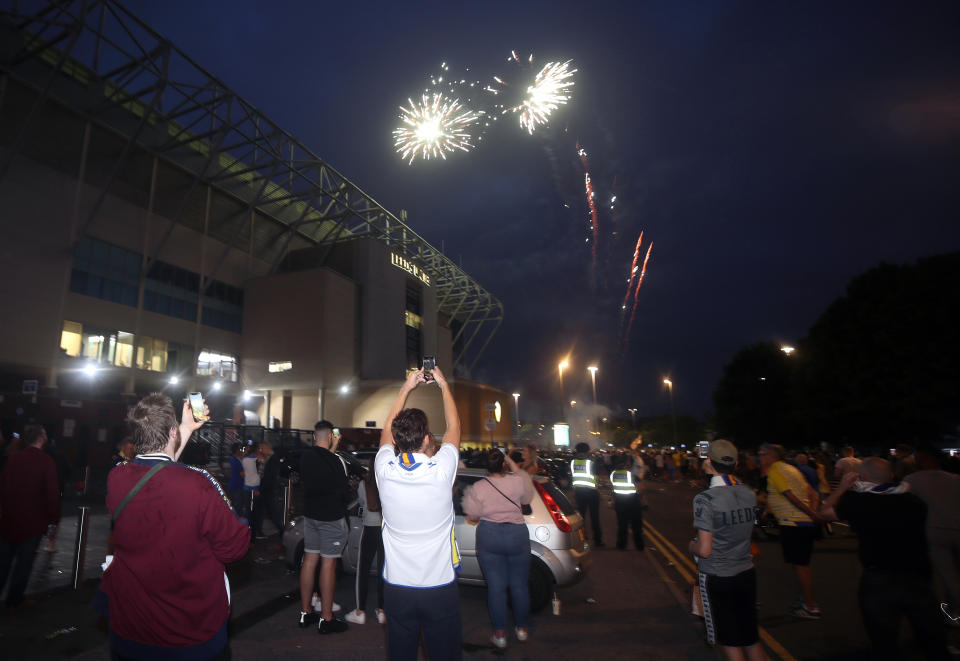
439,378
414,379
187,424
511,464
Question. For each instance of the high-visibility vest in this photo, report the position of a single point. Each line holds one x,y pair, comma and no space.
622,483
581,472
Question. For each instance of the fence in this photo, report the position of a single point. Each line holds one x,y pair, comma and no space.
211,443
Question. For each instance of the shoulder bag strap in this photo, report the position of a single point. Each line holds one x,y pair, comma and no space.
133,492
487,480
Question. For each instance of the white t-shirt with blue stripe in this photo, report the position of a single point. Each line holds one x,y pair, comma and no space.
416,494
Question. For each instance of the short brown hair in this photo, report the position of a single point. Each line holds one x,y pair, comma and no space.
409,429
150,422
32,433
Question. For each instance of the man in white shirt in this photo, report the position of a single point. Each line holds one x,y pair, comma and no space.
420,549
251,491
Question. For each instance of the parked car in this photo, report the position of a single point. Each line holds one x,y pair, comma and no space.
560,552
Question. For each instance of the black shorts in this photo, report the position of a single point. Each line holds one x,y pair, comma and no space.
730,608
797,544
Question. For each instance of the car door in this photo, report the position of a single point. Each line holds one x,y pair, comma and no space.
466,532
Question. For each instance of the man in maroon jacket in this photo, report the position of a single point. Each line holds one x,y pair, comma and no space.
29,503
168,595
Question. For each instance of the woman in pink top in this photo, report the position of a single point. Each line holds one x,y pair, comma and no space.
503,544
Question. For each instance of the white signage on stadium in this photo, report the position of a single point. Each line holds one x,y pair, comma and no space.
410,267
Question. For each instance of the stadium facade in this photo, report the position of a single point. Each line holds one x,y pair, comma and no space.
157,232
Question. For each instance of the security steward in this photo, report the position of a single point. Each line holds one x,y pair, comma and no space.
626,503
583,474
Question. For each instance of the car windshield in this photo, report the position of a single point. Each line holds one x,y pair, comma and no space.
558,496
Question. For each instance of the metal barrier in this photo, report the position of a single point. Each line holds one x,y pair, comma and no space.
212,442
80,548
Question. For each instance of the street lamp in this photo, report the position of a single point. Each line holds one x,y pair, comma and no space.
516,408
787,349
593,378
633,417
562,366
673,412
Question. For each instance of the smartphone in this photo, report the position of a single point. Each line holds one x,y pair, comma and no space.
429,362
336,431
196,403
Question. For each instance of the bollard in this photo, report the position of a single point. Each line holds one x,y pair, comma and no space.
287,503
80,551
86,479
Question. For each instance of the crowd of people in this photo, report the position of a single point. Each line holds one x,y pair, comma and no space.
903,509
165,591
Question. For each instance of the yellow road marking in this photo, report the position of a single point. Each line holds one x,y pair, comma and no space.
682,563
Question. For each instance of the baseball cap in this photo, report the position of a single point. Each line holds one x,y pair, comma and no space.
723,452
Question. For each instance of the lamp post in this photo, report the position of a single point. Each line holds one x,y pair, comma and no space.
593,378
562,366
516,410
673,413
787,349
633,417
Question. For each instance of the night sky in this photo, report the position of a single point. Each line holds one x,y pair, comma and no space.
771,151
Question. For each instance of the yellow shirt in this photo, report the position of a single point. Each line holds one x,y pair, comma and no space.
784,477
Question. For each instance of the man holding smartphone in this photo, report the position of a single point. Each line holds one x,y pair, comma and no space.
421,557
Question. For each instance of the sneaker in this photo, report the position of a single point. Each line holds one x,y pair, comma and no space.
381,616
805,613
315,602
356,617
522,634
500,642
331,626
306,619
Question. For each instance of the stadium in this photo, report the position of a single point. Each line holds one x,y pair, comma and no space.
159,233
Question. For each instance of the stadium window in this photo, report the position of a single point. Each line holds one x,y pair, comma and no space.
71,338
151,354
123,353
105,271
211,363
282,366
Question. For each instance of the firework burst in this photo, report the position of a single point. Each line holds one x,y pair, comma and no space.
434,126
549,90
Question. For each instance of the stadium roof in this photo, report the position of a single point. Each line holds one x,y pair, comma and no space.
98,59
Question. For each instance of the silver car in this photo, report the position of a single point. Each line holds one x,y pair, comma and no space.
560,552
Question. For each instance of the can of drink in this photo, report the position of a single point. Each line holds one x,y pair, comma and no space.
556,604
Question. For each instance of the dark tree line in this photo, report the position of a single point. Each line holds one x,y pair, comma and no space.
880,366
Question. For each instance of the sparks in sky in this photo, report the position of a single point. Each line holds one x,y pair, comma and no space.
434,126
636,292
549,90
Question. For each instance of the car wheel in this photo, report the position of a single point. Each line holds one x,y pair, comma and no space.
540,585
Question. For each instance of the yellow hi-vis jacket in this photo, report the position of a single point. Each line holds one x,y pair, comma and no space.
622,483
581,472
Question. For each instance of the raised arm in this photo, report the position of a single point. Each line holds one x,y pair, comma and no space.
414,379
452,435
828,511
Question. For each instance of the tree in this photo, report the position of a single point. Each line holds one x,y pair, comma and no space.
753,398
882,364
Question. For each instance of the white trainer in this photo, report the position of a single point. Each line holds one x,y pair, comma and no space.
356,617
381,616
522,634
500,642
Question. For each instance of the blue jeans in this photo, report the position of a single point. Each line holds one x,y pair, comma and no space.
503,550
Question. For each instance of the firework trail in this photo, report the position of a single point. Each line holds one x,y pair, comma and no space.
591,202
633,278
633,313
